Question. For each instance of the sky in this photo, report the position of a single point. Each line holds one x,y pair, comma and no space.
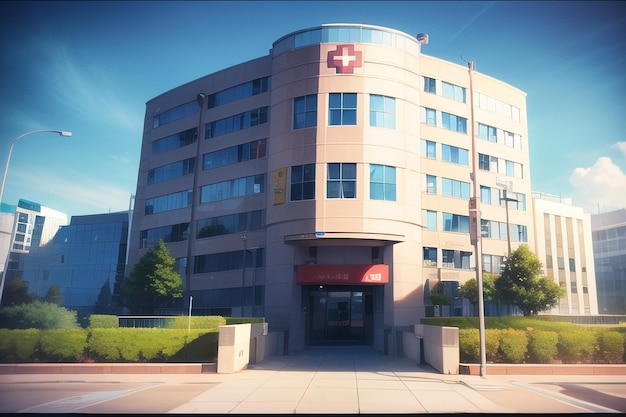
90,67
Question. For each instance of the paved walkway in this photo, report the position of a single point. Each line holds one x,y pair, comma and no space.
360,380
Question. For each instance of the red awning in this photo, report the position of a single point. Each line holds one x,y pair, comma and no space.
343,274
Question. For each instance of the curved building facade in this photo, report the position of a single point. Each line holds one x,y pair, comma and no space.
326,185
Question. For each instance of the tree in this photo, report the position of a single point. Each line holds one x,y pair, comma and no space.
438,297
152,282
522,284
16,293
54,295
37,315
469,290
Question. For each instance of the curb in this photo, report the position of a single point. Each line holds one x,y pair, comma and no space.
544,369
108,368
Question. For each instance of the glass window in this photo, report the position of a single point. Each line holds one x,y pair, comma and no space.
171,171
251,88
341,180
431,184
485,194
430,85
237,122
176,113
429,149
454,188
305,111
235,154
175,141
342,109
483,162
429,219
382,182
430,256
452,91
455,155
172,233
454,123
455,223
169,202
239,187
430,116
303,182
382,111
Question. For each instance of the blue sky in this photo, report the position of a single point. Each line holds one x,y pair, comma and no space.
90,67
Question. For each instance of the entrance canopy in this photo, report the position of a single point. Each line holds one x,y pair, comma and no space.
343,274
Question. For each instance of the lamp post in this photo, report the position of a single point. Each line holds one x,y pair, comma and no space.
506,186
64,133
244,240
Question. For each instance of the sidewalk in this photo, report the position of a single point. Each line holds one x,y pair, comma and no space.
360,380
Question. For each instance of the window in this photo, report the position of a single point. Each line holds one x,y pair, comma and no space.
176,113
430,85
485,194
303,182
171,171
305,111
169,202
237,122
251,88
228,261
455,259
382,182
235,154
455,223
454,188
382,111
455,155
172,233
430,116
239,187
341,180
431,184
429,219
483,162
487,132
454,123
342,109
175,141
231,223
452,91
429,149
430,256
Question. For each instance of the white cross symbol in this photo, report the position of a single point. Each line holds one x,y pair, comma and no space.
345,58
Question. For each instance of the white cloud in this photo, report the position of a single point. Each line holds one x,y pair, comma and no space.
601,187
621,147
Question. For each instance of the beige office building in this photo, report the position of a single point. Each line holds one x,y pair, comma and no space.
326,185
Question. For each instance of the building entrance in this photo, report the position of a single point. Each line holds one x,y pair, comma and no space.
340,315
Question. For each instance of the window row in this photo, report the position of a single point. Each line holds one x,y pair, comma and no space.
175,141
449,90
175,113
169,202
171,171
449,153
237,122
248,89
450,258
239,187
500,166
494,105
497,230
229,261
500,136
445,120
245,152
460,224
495,197
342,110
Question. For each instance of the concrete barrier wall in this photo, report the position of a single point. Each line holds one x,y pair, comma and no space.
441,347
233,351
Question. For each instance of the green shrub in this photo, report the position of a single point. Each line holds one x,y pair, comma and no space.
62,345
243,320
24,345
198,322
469,345
514,345
103,321
542,346
611,346
37,315
492,344
577,346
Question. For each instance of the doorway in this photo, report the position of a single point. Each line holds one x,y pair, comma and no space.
340,315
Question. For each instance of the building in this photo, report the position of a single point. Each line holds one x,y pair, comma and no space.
326,185
33,226
566,251
84,260
609,250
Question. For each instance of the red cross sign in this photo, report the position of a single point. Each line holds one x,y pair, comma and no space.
345,59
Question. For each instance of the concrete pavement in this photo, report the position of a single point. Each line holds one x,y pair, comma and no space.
359,380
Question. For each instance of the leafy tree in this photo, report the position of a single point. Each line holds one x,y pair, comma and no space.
523,284
152,282
54,295
469,290
16,293
438,297
37,315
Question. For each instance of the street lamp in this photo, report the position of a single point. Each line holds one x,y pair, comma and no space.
4,178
